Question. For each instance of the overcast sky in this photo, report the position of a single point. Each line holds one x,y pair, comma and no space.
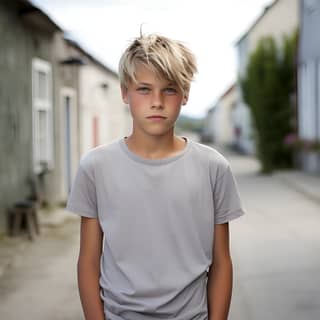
209,27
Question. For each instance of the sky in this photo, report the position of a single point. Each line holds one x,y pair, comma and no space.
210,28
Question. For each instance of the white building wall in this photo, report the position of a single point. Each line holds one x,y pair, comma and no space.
224,127
282,18
104,103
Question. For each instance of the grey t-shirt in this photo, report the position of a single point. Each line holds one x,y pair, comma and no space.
158,217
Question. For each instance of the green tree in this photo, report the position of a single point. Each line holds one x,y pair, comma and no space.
267,89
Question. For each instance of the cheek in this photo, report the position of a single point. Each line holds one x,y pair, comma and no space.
138,100
138,105
174,103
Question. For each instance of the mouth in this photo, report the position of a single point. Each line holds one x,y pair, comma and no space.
156,117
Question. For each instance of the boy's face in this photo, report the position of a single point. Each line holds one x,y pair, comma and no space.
152,96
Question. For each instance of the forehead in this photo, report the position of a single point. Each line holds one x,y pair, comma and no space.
147,75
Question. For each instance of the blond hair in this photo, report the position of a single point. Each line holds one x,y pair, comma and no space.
168,58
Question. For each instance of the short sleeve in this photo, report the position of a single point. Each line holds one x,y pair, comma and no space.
82,198
227,201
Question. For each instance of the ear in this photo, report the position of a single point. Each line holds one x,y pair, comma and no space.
124,94
185,99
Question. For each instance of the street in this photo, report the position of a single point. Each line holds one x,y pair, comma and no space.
275,250
42,284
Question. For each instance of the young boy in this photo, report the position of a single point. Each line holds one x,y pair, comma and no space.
154,206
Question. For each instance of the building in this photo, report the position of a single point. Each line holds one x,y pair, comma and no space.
207,132
309,84
224,131
103,115
26,99
56,102
90,110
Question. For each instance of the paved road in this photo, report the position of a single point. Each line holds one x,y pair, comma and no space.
42,284
275,249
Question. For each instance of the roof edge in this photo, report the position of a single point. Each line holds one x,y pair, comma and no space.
264,12
76,45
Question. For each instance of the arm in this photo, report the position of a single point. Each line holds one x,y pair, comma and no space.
219,285
89,268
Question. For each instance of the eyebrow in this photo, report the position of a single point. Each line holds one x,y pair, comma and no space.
149,84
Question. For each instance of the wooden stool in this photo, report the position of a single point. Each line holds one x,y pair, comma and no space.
27,209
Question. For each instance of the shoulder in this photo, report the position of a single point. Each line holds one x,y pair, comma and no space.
95,156
217,162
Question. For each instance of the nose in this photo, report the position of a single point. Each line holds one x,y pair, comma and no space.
157,99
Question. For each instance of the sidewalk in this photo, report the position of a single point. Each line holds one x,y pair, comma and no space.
12,247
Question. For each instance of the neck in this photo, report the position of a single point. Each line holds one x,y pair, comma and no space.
154,146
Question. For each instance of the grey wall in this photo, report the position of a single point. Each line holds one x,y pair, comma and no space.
19,44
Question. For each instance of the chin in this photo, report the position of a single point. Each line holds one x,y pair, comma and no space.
159,132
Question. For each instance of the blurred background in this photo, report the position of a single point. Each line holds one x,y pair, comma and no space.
256,99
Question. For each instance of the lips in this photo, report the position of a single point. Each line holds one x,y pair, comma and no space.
156,117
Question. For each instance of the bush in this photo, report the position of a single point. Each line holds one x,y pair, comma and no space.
267,89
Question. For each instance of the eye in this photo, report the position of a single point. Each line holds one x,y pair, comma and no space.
170,90
143,89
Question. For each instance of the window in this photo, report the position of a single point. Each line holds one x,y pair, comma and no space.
42,114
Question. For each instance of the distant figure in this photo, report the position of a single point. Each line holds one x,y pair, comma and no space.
155,206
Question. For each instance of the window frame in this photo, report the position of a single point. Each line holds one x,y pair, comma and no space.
42,102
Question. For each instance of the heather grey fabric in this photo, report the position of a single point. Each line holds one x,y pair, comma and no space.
158,221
